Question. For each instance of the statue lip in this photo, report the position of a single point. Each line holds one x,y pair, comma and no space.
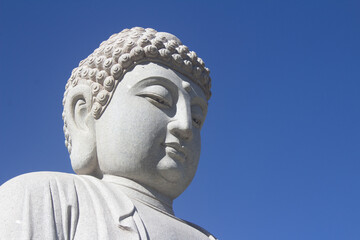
175,150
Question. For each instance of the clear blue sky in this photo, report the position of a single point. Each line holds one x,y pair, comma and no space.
281,144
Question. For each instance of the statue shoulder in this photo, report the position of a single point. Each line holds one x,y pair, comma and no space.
41,198
55,187
35,181
211,237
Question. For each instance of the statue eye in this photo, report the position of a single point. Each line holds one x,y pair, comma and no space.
157,100
196,122
157,95
197,119
197,116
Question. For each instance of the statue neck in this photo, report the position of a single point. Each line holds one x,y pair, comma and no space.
142,194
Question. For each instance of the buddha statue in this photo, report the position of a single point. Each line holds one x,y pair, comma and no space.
133,112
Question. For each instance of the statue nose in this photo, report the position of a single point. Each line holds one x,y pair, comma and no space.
181,124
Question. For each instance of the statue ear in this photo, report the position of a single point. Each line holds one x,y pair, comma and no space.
81,127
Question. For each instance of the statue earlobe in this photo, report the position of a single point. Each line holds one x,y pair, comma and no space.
81,127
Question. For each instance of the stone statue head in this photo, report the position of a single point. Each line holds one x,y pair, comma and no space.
134,108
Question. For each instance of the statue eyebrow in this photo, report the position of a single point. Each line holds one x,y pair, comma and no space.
158,80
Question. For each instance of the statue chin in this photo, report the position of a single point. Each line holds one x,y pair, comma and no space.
171,171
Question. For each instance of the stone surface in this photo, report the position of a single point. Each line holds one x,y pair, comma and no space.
133,112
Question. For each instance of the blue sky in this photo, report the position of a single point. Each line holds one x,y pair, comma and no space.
280,152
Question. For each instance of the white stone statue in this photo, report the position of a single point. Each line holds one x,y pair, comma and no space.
133,111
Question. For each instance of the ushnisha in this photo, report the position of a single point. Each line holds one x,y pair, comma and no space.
133,111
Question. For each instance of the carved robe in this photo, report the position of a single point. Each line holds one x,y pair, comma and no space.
48,205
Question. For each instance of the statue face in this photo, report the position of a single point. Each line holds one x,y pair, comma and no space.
150,131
